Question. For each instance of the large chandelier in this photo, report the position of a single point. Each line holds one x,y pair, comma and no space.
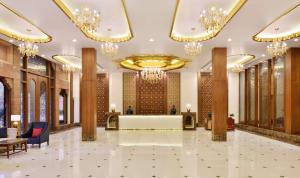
277,48
152,74
86,19
237,68
213,19
193,48
70,68
109,49
28,49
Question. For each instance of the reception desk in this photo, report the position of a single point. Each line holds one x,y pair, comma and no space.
159,122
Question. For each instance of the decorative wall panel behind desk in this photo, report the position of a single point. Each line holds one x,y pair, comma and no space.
102,98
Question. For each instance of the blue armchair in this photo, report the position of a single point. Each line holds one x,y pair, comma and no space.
3,132
43,137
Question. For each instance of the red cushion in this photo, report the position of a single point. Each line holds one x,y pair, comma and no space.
36,132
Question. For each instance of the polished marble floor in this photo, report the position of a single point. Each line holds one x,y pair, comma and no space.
155,154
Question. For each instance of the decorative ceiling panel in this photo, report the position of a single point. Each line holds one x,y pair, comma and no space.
16,26
288,25
114,22
186,26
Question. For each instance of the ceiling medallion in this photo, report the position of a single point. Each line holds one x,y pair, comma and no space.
28,49
164,62
193,48
213,20
152,74
277,48
109,49
87,20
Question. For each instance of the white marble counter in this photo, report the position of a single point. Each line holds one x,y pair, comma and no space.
158,122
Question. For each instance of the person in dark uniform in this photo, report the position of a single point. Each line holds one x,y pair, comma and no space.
173,110
129,111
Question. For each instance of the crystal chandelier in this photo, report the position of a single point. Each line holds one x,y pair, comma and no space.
109,49
193,48
70,68
213,19
277,48
86,19
237,68
28,49
152,74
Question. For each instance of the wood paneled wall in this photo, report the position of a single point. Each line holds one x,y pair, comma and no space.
148,98
102,98
204,96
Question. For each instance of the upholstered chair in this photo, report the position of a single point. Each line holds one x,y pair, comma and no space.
41,138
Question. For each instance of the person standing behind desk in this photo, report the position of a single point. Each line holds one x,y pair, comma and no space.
173,110
129,111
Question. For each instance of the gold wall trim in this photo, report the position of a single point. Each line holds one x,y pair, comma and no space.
69,14
281,38
20,37
181,38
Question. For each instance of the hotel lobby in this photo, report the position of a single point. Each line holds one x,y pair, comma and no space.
149,89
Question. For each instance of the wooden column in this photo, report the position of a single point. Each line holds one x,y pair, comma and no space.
219,94
88,95
292,91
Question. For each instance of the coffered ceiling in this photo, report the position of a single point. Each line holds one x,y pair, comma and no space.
145,26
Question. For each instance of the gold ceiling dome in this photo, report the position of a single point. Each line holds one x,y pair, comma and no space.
163,62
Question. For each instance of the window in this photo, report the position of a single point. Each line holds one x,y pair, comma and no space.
31,101
264,94
2,106
43,103
251,95
63,107
279,91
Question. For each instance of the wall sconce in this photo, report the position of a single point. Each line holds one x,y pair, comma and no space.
15,119
188,107
113,107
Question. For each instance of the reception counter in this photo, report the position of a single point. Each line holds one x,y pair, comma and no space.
156,122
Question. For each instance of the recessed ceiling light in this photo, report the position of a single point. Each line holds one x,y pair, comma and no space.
11,40
74,40
229,40
296,39
151,40
43,55
263,55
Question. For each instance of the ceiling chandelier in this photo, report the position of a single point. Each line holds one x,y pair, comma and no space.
70,68
237,68
109,49
193,48
213,19
152,74
277,48
86,19
28,49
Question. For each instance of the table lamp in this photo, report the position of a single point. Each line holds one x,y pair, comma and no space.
113,107
188,107
15,119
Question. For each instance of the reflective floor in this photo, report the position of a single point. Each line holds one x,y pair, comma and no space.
159,154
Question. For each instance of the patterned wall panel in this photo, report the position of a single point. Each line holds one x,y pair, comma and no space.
173,90
102,98
204,96
151,98
129,90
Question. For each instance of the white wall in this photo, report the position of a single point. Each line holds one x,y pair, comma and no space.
233,95
188,90
76,96
116,90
